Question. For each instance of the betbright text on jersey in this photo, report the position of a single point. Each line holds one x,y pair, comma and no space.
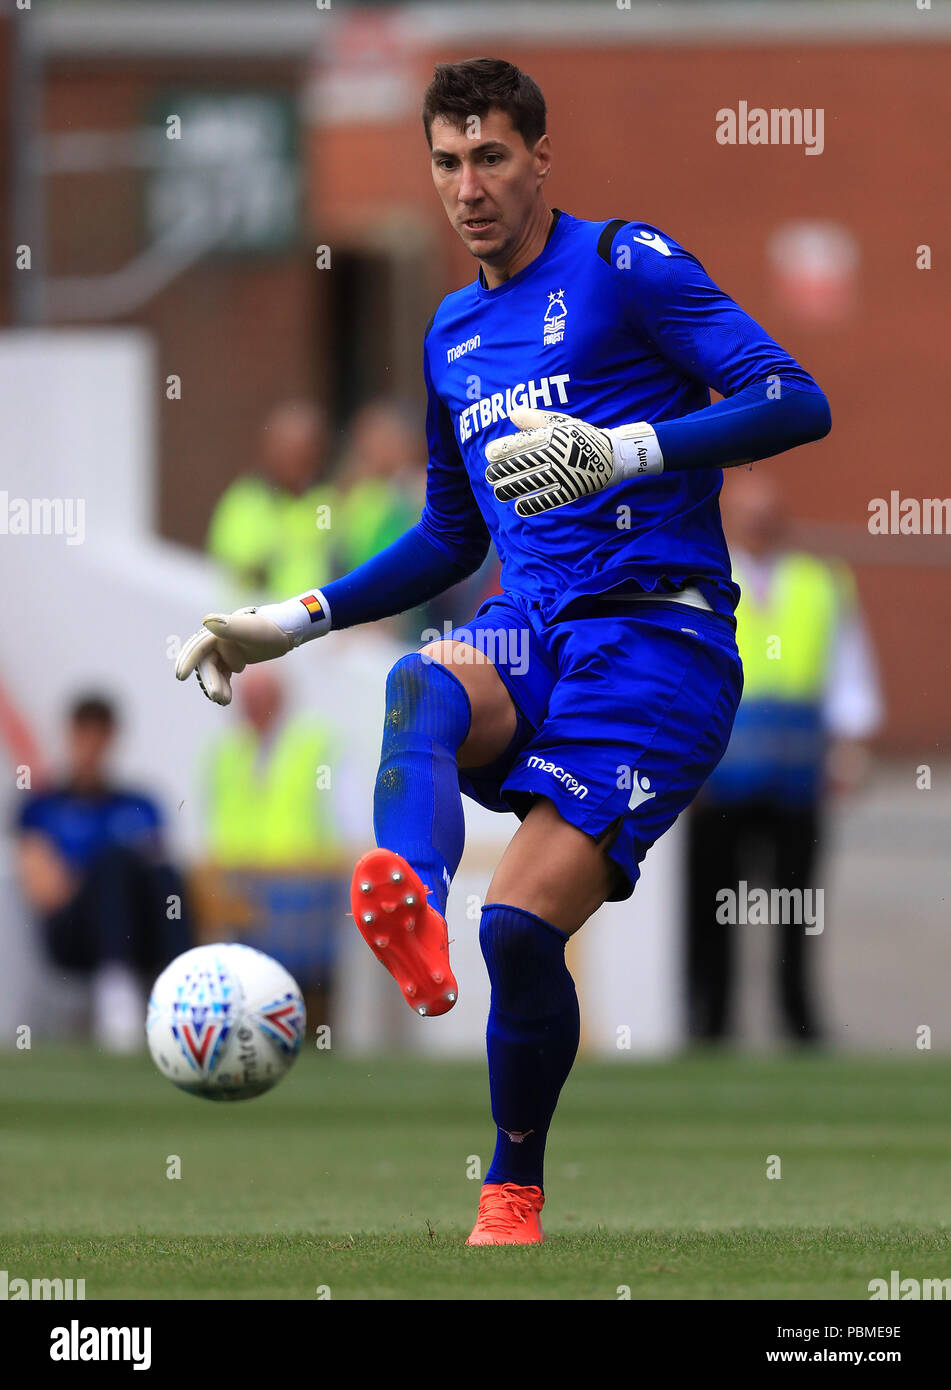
614,323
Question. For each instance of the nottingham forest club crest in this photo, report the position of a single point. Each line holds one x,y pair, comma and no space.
555,315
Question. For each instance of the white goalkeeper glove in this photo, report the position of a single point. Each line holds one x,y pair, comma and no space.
555,459
229,642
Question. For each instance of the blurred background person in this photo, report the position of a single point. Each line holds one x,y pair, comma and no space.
273,528
273,835
382,480
93,871
811,698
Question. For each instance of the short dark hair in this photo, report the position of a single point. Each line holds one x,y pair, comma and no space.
93,709
478,85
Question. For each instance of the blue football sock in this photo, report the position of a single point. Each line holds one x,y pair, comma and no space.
417,805
531,1038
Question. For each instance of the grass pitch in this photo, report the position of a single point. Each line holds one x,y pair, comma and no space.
353,1177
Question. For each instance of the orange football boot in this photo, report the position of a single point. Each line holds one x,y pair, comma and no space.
508,1215
401,929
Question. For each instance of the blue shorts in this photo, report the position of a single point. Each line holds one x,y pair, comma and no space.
623,714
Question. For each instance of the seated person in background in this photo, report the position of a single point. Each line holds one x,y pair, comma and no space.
91,867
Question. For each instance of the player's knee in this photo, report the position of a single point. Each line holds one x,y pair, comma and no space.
494,721
405,689
423,697
444,653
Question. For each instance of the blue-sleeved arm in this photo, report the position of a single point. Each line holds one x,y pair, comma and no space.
771,403
447,544
406,573
750,425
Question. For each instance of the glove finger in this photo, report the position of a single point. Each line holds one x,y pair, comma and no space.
258,636
530,482
517,467
512,445
230,657
529,417
218,623
194,650
546,501
215,679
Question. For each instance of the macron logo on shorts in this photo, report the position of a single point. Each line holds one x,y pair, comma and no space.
560,774
641,791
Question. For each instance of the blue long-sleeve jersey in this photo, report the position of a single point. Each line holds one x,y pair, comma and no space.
613,323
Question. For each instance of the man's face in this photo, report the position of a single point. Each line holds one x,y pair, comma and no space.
488,181
753,513
261,698
383,443
90,741
293,450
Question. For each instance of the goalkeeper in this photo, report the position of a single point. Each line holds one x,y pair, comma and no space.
569,421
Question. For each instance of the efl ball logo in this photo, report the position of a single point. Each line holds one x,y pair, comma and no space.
284,1021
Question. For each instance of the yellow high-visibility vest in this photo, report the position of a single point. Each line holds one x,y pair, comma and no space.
273,813
785,643
274,542
373,514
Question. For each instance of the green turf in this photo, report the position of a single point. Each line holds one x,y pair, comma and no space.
353,1175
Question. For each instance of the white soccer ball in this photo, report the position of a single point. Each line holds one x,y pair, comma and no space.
225,1022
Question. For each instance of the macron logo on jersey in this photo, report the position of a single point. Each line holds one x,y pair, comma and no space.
545,394
461,349
652,240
